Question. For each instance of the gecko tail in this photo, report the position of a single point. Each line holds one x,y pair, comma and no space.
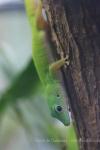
31,9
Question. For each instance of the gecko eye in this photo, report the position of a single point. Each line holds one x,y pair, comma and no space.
58,108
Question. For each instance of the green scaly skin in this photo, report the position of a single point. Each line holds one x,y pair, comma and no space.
54,92
72,143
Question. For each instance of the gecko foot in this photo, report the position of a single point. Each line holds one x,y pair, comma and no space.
66,59
67,62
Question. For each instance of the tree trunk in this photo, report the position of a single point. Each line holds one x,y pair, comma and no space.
75,26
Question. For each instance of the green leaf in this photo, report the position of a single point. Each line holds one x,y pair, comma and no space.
23,86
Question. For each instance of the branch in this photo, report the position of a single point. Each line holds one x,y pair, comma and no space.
74,26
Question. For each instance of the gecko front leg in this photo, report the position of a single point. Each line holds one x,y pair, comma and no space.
55,66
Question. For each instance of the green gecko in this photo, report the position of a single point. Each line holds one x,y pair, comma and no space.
54,93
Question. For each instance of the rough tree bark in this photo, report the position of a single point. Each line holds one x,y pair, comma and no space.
75,29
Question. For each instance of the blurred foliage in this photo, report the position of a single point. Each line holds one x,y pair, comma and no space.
22,86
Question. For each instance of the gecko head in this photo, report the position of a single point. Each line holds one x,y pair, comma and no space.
57,105
61,113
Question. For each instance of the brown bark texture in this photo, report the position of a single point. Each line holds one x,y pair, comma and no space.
75,27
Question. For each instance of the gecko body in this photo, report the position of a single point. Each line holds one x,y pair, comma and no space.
46,71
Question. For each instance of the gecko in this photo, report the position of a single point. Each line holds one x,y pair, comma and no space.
54,93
